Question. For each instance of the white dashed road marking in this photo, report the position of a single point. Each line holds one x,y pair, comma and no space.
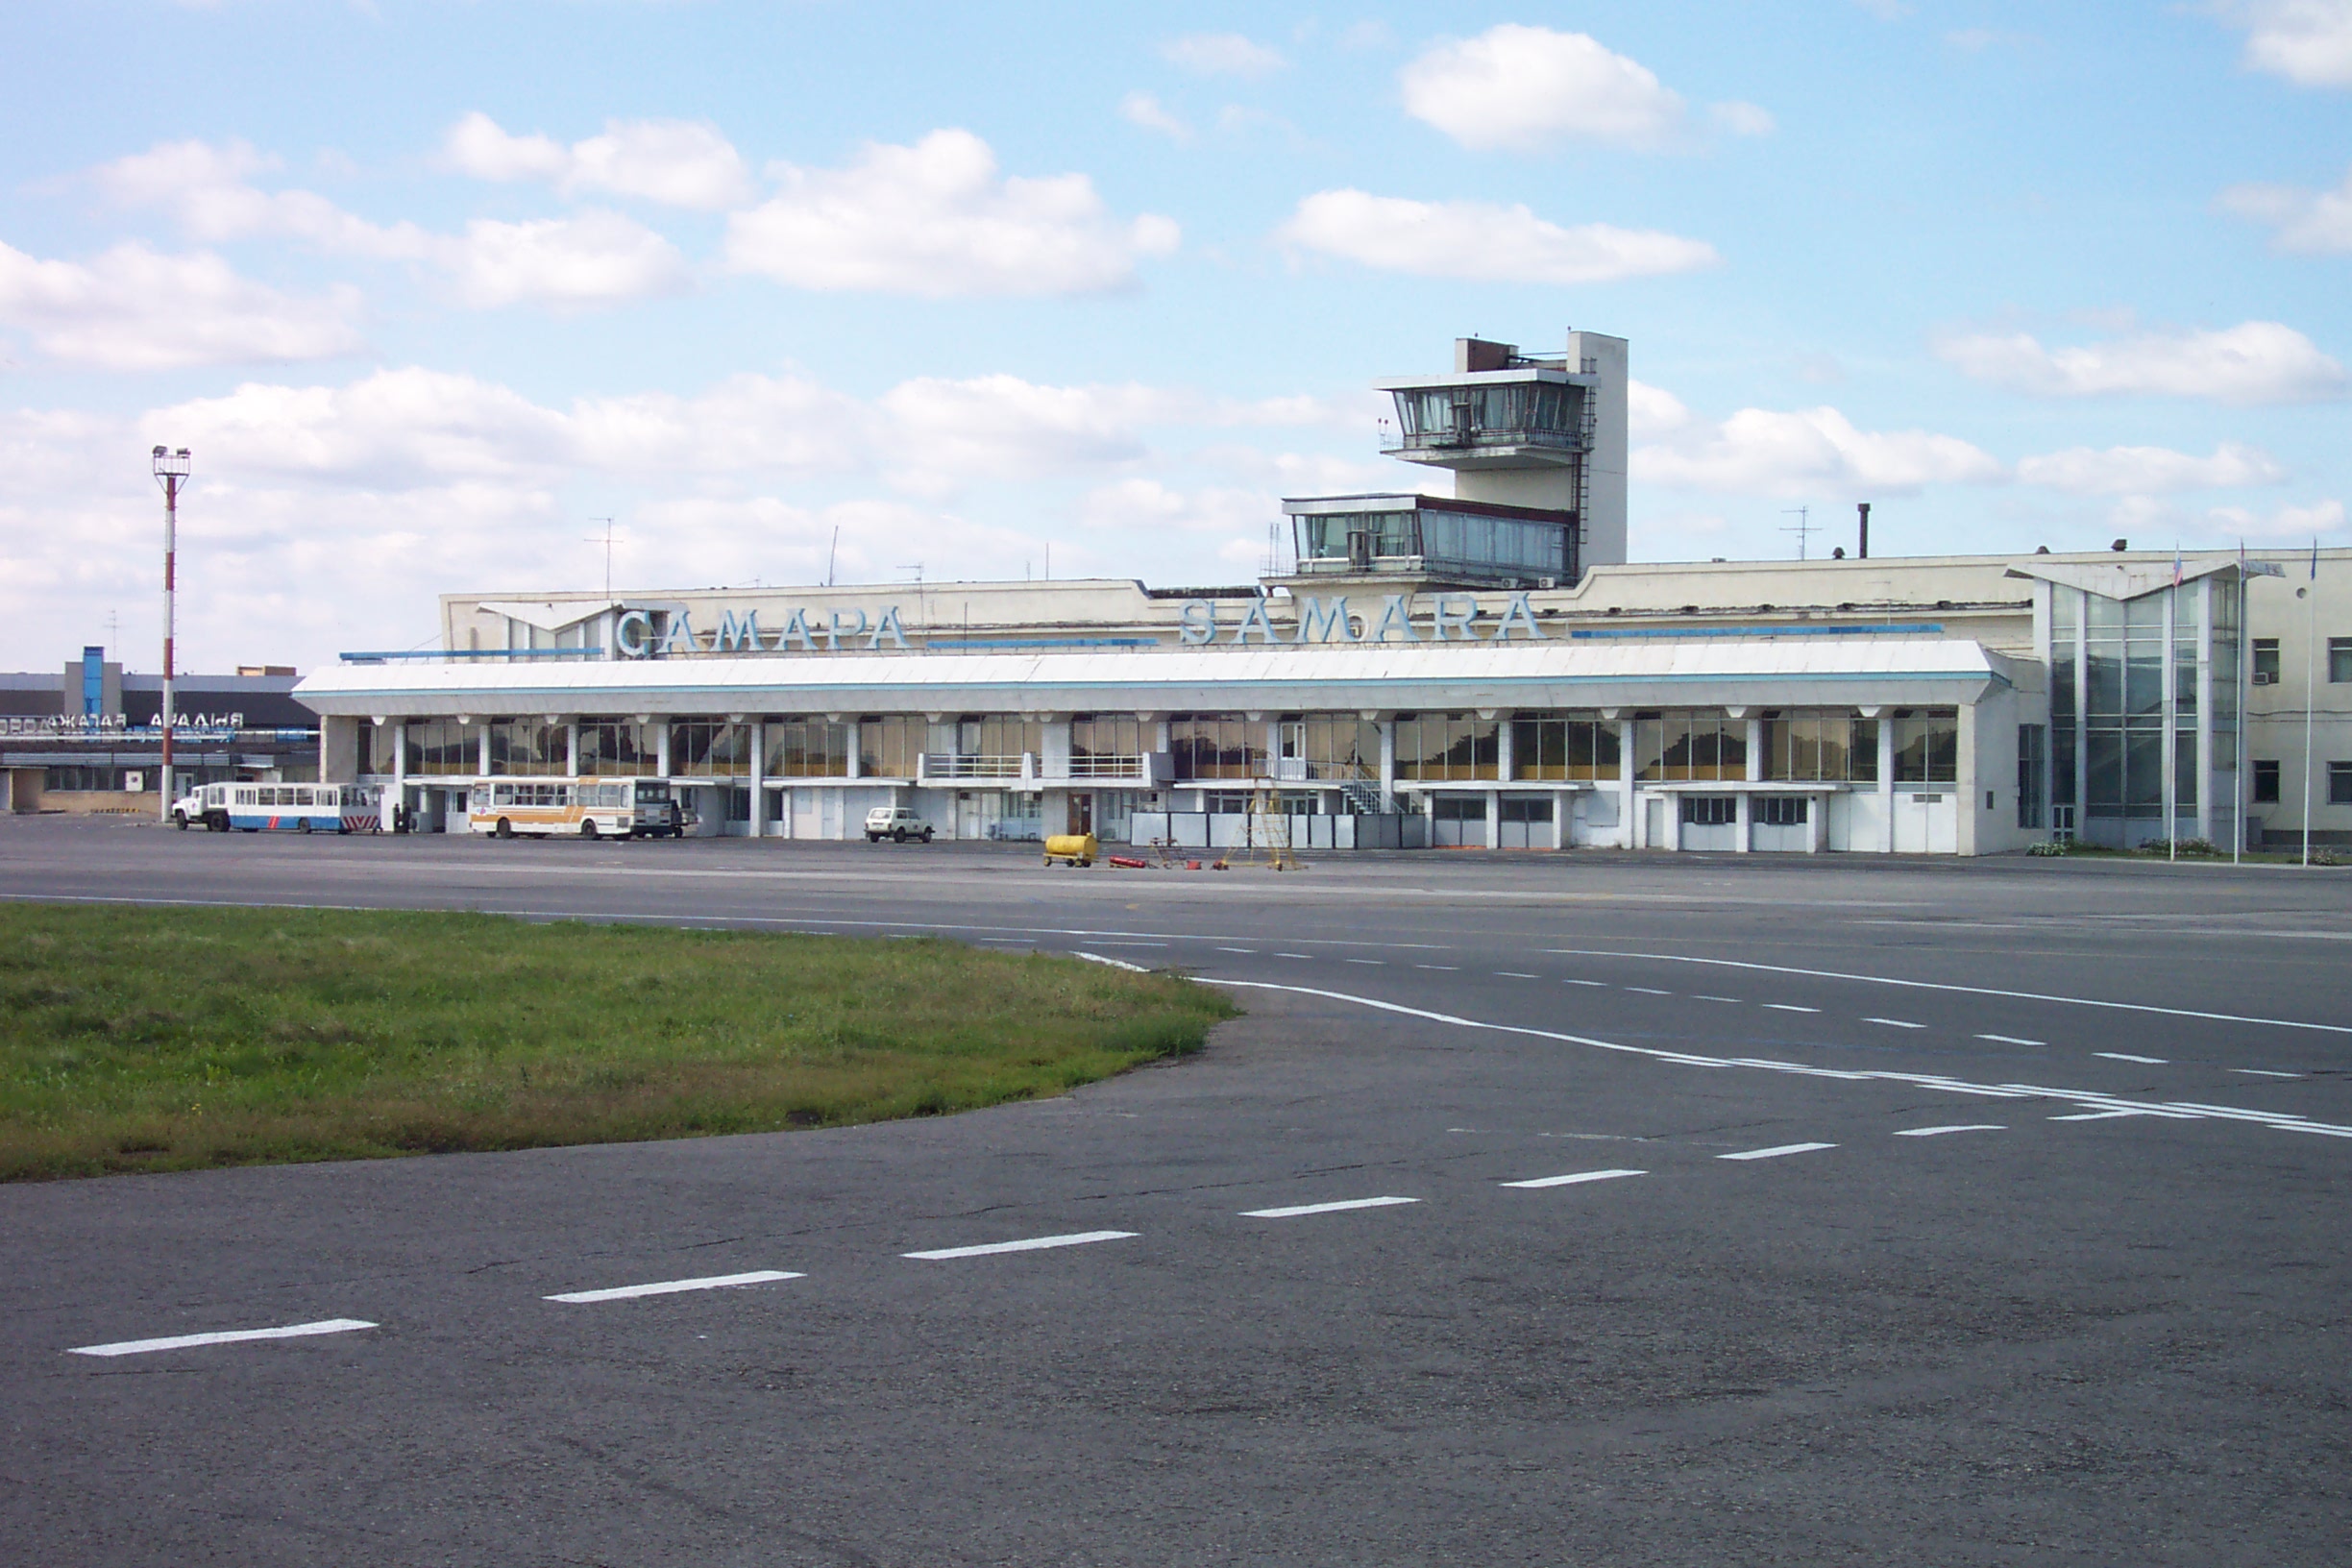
2125,1056
1600,984
671,1288
1776,1151
2104,1115
2011,1040
1114,962
1236,949
1732,999
1647,991
1896,1024
231,1336
1294,1211
1511,974
1291,955
1938,1132
1790,1006
1377,963
1576,1177
2259,1072
1449,967
1035,1243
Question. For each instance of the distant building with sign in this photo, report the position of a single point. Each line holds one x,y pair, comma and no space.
87,739
1480,668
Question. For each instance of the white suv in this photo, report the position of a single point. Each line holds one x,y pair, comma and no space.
896,823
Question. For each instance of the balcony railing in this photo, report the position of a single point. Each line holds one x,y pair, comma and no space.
1099,766
951,765
1456,439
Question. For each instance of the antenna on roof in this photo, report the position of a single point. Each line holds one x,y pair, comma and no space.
607,540
1802,528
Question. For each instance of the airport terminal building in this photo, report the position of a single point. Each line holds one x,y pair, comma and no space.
1480,670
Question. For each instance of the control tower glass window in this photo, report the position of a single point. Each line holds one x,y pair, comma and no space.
1518,414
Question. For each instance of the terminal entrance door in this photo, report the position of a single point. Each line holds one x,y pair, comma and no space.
1081,812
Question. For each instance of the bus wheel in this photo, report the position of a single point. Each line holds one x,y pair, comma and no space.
588,828
506,828
303,826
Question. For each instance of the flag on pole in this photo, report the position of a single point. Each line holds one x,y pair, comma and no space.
2176,564
2315,571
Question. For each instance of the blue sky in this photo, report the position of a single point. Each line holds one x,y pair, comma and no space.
428,287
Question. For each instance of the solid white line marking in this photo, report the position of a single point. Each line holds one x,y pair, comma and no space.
667,1288
1579,1176
1776,1151
1938,1132
1973,990
1600,984
1114,962
1790,1006
231,1336
1896,1024
1104,941
1650,991
2126,1056
1035,1243
1295,1210
2259,1072
2011,1040
2284,1121
1511,974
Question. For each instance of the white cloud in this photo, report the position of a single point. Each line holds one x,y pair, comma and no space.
2306,222
1481,241
2253,362
2307,41
592,257
934,219
1806,452
1221,54
1743,119
677,162
2119,470
1143,109
1142,506
135,308
1523,88
1652,410
2283,523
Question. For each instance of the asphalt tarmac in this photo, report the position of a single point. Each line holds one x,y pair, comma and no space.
1544,1209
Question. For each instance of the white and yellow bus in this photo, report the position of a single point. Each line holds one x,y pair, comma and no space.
589,808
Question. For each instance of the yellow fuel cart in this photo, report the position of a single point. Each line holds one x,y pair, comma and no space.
1077,849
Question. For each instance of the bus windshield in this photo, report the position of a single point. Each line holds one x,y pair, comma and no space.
648,789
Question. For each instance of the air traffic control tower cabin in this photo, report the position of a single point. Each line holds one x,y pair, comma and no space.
1537,448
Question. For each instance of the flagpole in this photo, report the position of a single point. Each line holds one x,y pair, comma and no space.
2311,689
2238,734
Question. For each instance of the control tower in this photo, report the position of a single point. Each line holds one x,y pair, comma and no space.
1527,430
1537,446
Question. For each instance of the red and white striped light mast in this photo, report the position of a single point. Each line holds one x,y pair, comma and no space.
171,468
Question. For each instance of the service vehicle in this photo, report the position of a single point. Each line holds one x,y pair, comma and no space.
281,808
588,808
896,823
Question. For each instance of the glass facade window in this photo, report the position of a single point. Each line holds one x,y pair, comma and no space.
1440,536
705,749
2151,671
1781,810
1563,746
1437,748
805,748
2340,659
527,747
1333,746
2266,661
617,748
1516,413
2339,783
1216,745
2033,762
2265,781
443,748
1108,745
1927,746
1459,808
1823,745
1669,747
1710,810
890,745
1004,735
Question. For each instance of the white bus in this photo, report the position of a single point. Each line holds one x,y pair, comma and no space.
622,808
281,808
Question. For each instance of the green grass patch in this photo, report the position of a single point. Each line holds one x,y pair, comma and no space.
139,1038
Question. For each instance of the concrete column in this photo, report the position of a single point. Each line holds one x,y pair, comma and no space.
2204,710
1387,758
1886,784
1054,735
1504,757
1967,787
1743,835
759,776
481,749
398,794
1755,750
1817,823
1674,822
857,760
572,750
1494,819
661,749
1627,833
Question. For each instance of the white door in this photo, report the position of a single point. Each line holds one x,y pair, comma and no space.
1654,822
1926,822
